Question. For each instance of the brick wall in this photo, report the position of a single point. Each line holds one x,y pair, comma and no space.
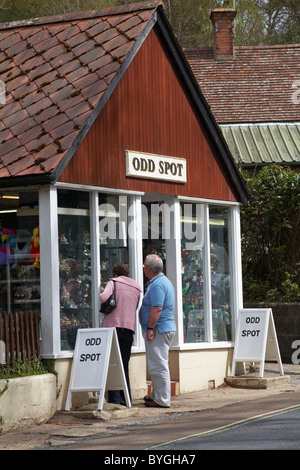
223,21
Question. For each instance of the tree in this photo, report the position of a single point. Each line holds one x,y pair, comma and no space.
270,236
258,22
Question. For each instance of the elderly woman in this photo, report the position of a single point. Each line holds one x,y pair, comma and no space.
122,318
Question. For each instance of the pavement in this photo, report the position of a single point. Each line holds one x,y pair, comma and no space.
87,422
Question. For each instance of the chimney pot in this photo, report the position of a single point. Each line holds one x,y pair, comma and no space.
223,22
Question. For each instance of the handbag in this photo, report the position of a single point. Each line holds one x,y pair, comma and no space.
110,303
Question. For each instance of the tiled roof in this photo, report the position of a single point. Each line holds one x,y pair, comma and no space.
56,70
258,85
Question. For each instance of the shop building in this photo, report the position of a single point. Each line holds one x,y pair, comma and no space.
108,152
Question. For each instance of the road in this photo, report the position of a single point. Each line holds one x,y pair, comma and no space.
277,430
267,423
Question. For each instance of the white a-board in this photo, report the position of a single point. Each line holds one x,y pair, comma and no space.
256,339
97,364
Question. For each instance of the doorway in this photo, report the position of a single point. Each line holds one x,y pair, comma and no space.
156,226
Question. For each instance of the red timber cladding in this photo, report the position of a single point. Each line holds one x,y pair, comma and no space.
148,112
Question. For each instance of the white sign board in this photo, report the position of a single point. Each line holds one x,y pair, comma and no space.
97,364
158,167
256,339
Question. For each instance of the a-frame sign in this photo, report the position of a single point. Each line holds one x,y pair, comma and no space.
97,365
256,339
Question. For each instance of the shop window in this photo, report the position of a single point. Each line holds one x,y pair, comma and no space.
193,274
74,265
19,252
220,272
155,229
113,224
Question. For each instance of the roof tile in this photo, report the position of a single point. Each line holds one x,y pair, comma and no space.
42,104
10,158
55,121
4,173
23,126
14,118
62,130
46,114
20,164
98,28
8,146
50,162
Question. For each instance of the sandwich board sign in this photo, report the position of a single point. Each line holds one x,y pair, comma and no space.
97,364
256,339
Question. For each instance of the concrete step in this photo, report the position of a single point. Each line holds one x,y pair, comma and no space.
254,382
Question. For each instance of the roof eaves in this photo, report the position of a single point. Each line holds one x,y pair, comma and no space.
28,180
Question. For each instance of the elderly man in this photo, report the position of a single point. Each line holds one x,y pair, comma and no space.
158,326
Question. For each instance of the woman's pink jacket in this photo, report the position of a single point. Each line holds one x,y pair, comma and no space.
128,294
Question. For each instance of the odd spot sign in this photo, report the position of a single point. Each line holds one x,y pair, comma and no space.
91,356
252,334
90,360
97,362
256,338
252,327
158,167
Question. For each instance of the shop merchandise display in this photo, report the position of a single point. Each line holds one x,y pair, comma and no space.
19,270
75,284
193,300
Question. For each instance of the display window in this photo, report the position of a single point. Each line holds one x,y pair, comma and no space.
74,265
219,229
113,238
206,291
19,251
193,273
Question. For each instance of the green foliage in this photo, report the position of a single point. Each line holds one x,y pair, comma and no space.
271,235
258,22
23,369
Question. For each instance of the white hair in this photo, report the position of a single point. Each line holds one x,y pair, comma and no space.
155,263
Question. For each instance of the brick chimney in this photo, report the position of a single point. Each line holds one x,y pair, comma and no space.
223,22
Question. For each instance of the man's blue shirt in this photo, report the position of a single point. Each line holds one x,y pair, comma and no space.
160,293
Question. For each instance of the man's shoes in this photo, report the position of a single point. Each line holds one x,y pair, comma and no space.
153,404
147,398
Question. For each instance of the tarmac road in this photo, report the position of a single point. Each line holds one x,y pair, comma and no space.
277,430
266,423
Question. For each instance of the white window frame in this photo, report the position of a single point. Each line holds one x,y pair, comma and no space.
235,269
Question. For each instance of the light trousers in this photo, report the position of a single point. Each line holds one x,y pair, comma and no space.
157,356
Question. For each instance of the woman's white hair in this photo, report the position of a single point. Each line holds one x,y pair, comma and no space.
155,263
